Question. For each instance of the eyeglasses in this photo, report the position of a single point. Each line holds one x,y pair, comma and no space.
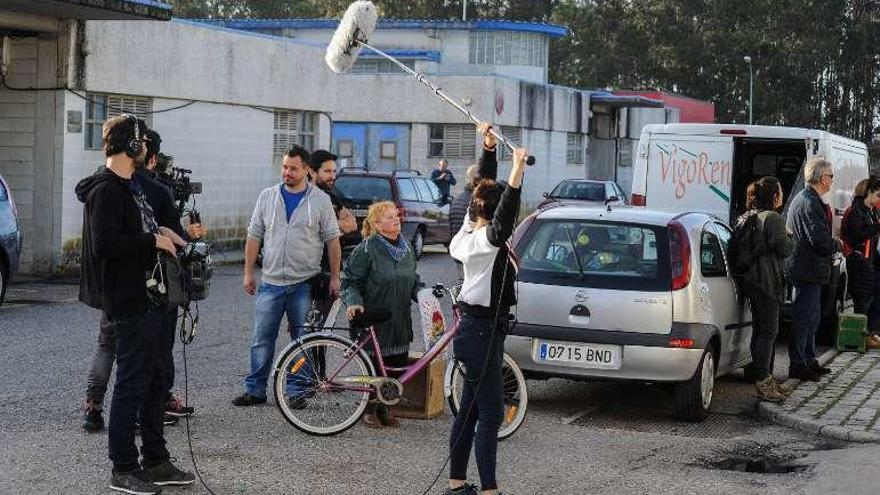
830,176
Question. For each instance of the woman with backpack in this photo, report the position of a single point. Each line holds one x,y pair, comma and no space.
859,232
763,282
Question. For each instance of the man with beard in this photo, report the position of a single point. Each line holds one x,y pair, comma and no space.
120,242
294,220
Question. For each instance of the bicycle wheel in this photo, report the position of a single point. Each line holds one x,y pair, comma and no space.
311,401
516,397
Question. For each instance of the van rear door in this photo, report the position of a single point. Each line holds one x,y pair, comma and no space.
689,173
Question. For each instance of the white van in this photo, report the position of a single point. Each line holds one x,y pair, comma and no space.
707,167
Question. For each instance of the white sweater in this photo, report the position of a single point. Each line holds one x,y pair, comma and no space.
471,247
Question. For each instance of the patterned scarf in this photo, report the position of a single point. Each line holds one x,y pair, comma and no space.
397,252
148,218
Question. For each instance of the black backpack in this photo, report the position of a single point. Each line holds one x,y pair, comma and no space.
745,247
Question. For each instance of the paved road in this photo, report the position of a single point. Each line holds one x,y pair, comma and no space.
578,438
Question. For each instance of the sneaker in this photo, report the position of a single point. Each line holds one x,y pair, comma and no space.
170,420
465,489
93,419
247,399
804,374
134,482
785,389
767,390
168,474
175,407
819,369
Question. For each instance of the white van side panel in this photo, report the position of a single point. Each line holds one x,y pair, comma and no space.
850,164
689,173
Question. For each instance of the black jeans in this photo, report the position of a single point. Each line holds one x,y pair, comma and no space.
139,392
105,354
765,327
482,403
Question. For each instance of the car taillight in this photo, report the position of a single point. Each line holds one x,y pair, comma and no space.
681,343
638,200
679,255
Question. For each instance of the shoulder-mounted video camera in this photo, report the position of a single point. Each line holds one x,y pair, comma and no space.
178,180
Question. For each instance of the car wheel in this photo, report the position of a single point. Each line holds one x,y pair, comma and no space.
418,242
3,282
693,398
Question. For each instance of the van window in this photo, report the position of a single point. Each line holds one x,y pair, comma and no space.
363,188
611,255
424,192
435,191
407,190
711,255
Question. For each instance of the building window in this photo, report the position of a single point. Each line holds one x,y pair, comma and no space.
507,48
100,107
514,135
380,66
575,148
452,141
294,127
388,149
345,148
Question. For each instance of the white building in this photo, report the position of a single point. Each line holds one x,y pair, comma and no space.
229,97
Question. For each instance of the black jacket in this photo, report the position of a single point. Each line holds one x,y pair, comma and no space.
809,221
458,210
859,232
161,200
499,231
116,252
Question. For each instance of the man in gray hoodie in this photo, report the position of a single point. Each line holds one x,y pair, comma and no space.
294,220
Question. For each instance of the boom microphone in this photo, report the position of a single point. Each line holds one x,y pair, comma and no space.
353,33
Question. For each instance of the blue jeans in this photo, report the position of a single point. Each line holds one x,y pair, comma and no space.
273,301
485,402
806,315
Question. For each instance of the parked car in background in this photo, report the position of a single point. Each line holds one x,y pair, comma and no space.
587,191
424,220
628,294
10,238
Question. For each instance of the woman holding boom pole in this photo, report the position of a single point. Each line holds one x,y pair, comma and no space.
485,300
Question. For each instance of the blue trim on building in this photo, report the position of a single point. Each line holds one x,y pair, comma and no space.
431,55
551,30
151,3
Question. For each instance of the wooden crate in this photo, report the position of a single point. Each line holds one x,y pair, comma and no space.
423,395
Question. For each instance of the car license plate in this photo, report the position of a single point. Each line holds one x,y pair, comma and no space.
596,356
360,213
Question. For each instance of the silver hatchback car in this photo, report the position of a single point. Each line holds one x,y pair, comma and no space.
627,293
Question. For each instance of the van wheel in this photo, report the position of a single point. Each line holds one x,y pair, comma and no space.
418,242
693,398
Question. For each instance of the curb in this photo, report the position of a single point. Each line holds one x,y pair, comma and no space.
775,414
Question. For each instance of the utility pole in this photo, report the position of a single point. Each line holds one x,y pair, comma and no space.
464,10
747,59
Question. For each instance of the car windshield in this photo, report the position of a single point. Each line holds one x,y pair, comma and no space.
589,191
363,188
611,255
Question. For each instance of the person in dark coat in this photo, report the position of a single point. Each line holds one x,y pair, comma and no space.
766,288
809,269
859,233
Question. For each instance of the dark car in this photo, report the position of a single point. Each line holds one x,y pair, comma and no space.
587,191
424,219
10,238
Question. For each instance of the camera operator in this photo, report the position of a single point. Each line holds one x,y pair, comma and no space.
121,241
161,200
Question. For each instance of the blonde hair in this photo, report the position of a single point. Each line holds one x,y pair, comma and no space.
373,213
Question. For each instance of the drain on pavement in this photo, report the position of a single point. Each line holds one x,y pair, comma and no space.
654,421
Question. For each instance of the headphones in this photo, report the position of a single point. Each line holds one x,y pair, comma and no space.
135,146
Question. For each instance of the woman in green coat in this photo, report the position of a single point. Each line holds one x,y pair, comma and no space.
381,273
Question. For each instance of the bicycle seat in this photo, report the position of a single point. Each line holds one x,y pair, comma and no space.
370,317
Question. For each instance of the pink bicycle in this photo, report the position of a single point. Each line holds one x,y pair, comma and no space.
339,378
